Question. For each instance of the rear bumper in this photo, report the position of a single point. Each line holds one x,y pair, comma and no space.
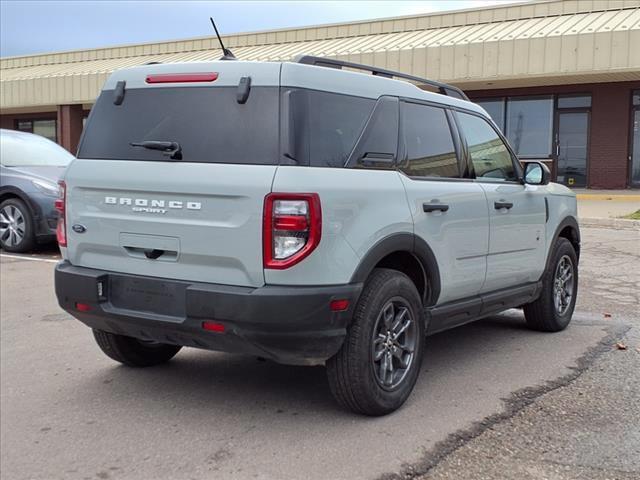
291,325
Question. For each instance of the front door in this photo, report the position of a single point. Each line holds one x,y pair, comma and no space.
516,211
571,147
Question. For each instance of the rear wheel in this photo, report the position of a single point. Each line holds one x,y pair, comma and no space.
16,226
133,352
552,311
378,365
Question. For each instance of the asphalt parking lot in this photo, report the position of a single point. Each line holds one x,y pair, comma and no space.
69,412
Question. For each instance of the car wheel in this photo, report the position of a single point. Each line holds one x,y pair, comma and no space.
553,309
16,226
133,352
378,365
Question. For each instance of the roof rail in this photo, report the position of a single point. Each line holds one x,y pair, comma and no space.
443,88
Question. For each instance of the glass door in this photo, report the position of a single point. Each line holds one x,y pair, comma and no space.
634,171
571,147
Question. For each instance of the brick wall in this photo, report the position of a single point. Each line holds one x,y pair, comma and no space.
609,142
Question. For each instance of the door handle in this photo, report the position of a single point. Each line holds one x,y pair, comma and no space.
502,204
435,207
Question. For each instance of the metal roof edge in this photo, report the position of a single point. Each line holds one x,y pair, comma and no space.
515,3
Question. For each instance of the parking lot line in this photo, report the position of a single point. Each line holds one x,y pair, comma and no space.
33,259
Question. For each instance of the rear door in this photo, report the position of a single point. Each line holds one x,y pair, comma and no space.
517,213
449,212
199,218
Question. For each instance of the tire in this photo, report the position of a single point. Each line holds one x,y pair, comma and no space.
133,352
360,383
546,314
16,226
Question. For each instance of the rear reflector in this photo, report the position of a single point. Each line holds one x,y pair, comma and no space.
60,206
213,327
339,305
83,307
182,77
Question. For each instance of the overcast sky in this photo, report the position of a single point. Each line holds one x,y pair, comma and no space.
29,26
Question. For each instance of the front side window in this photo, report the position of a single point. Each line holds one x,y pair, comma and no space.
490,156
430,151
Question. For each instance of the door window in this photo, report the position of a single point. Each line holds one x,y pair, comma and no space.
490,157
430,151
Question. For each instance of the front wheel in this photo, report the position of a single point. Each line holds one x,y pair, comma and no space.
133,352
378,365
552,311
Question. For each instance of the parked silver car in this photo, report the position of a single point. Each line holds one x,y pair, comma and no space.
30,166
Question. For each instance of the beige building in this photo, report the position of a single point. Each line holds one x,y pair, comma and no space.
561,78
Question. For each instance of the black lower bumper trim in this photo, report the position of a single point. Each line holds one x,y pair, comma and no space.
293,325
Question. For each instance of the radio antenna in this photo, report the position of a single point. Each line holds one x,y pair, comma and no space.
226,53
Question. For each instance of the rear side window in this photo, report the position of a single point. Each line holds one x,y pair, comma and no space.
430,151
490,156
207,122
323,127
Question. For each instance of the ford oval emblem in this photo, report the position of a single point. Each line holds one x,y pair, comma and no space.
79,228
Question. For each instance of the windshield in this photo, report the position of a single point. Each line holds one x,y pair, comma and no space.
27,150
207,124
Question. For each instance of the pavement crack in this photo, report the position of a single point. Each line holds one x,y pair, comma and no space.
513,404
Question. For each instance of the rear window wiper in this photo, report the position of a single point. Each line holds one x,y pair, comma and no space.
170,149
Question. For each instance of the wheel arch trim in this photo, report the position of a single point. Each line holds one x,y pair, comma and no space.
572,223
403,242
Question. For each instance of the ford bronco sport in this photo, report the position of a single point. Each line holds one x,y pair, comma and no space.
305,214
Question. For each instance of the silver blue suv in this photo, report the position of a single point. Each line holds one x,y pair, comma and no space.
308,213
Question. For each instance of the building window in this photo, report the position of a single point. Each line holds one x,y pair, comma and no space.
574,101
530,125
636,98
45,128
495,109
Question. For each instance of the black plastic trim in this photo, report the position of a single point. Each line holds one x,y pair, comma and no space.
403,242
566,222
459,312
289,324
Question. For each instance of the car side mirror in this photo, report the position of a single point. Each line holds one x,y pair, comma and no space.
536,173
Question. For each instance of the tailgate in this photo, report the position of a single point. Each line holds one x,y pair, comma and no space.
186,221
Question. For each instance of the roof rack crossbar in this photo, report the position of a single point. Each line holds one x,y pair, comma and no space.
443,88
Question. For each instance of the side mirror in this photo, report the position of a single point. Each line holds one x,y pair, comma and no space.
536,173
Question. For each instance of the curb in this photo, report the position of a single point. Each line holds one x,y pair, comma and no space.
611,197
614,223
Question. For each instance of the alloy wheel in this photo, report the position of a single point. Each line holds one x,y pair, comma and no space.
394,343
563,285
12,226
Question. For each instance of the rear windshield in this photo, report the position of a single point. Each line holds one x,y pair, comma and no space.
207,122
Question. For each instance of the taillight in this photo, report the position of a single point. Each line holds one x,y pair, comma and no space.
292,227
60,205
